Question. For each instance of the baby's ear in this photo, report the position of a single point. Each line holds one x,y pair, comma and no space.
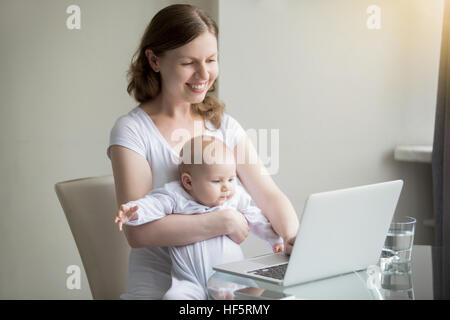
186,180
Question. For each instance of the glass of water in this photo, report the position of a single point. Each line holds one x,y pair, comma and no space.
396,254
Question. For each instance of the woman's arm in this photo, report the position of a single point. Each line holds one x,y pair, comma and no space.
268,197
133,180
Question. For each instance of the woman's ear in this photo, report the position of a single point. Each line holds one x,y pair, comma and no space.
152,60
186,180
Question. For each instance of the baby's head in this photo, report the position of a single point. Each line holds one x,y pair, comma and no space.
208,170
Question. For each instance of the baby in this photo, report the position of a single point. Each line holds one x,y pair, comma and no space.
208,183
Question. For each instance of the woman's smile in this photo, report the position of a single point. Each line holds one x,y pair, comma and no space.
197,87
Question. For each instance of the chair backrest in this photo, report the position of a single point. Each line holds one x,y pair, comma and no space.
90,206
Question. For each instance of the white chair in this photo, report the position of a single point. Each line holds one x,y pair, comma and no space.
90,206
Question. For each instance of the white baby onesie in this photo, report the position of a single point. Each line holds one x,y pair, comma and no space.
192,264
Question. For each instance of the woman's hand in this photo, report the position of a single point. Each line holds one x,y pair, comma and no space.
235,224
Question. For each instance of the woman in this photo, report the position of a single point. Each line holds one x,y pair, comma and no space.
171,73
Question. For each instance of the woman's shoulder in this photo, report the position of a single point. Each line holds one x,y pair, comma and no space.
228,120
230,130
130,131
131,118
135,122
229,123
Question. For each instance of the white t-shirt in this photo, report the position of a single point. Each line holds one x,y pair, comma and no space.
149,268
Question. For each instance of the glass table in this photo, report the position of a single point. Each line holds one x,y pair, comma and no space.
369,284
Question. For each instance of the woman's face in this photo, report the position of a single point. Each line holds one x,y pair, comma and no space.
189,71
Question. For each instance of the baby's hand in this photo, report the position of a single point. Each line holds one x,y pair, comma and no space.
279,247
125,214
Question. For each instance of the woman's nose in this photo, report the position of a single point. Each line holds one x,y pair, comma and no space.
203,72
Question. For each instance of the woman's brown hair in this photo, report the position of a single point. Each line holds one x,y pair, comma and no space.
171,28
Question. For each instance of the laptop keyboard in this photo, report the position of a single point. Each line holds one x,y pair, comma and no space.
276,272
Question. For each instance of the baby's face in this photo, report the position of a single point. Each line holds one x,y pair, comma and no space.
214,184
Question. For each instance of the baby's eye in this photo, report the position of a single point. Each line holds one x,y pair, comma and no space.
216,181
231,179
186,64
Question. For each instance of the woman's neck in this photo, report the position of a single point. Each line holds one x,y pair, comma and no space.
166,107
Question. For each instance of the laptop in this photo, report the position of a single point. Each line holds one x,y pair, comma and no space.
340,231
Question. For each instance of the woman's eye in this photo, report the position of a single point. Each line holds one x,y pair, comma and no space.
189,63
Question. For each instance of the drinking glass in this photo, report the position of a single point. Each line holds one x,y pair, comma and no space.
396,254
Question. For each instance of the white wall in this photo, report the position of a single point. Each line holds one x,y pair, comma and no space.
342,96
61,91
